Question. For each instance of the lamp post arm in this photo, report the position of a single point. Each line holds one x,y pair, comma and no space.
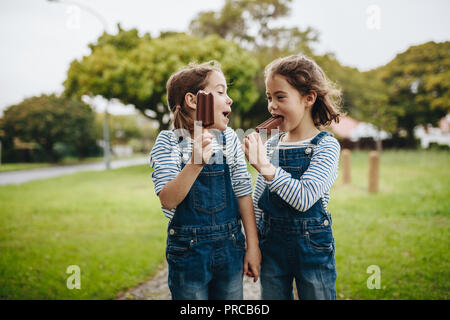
87,9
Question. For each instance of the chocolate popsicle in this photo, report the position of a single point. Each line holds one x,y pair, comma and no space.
205,108
271,123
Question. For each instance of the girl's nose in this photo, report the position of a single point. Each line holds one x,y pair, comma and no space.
229,101
271,106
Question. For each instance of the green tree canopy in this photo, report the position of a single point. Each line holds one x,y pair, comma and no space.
250,24
419,84
365,96
136,71
48,119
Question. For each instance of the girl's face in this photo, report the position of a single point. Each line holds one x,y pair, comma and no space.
284,100
217,85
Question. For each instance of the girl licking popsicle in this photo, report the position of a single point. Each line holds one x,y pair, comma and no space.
297,168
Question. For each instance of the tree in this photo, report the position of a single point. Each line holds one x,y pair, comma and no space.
136,71
365,96
418,81
48,119
248,23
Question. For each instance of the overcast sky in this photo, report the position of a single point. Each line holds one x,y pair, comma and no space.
39,39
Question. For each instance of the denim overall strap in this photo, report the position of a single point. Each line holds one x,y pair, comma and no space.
314,141
211,199
320,136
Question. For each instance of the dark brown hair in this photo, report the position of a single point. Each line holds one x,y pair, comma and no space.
305,75
191,79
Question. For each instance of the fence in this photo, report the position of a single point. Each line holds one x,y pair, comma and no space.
374,163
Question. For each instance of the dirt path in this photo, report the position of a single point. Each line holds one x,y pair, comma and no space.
157,289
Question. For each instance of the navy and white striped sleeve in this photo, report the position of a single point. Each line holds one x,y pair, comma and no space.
322,172
241,179
164,160
260,185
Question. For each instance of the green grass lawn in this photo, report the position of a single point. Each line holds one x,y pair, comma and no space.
107,223
111,226
404,229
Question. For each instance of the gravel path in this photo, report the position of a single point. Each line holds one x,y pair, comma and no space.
157,289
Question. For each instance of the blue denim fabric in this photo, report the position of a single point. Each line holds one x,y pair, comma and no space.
205,244
296,245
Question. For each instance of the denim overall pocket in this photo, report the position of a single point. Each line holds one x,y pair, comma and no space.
238,240
319,235
263,230
209,191
178,248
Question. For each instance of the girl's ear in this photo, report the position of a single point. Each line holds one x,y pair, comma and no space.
190,100
311,98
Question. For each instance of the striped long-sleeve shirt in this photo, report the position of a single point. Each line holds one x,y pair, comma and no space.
165,159
313,185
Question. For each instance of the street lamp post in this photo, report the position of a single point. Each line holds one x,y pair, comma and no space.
106,153
106,140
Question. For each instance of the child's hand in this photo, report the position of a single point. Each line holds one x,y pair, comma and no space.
255,152
252,263
202,147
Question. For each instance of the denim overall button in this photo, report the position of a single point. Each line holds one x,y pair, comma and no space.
325,223
308,150
171,231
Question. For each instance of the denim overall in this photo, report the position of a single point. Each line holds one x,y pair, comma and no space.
296,245
205,244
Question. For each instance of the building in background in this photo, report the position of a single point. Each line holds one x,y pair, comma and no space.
429,134
354,130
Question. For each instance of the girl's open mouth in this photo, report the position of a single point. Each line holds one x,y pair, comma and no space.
278,116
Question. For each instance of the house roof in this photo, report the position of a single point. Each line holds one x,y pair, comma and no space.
345,126
349,128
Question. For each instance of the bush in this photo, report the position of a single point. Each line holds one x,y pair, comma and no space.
46,121
438,147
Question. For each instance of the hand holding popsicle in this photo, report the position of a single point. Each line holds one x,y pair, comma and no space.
202,147
254,149
255,152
